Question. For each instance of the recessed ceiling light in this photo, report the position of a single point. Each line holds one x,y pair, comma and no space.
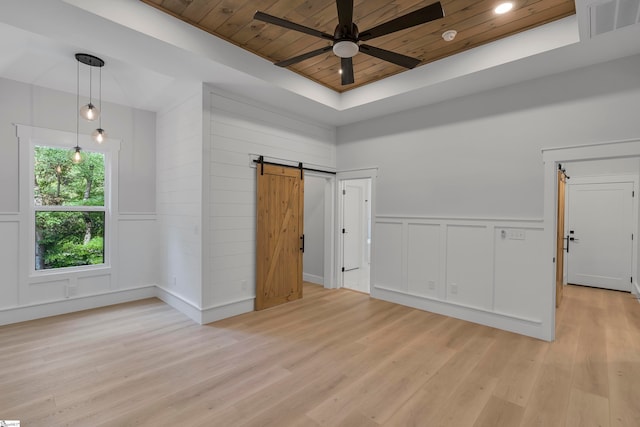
449,35
503,8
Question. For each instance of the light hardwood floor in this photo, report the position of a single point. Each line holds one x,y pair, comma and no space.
334,358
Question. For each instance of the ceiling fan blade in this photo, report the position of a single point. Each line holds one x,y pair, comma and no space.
420,16
345,14
302,57
346,65
261,16
387,55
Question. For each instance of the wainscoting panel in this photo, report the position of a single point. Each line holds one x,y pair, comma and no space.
423,259
94,284
469,266
388,255
10,232
518,271
487,271
47,291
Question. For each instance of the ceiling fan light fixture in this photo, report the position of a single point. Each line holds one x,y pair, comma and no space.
345,49
503,8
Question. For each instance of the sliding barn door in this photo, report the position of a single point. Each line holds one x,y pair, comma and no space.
279,242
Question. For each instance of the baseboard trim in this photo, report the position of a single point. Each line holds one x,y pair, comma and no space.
519,325
72,305
207,314
181,304
318,280
227,309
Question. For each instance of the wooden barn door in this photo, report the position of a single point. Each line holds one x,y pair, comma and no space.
279,242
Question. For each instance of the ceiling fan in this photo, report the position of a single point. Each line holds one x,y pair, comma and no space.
346,37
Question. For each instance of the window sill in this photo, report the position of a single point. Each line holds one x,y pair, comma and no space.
84,271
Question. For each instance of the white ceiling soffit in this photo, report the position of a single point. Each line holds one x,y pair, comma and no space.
152,57
149,21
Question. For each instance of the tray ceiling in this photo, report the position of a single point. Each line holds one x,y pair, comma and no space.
475,22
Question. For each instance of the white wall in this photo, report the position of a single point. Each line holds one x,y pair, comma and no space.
478,158
132,275
179,158
313,261
239,130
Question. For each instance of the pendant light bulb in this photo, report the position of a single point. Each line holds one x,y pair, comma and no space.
89,112
99,135
77,156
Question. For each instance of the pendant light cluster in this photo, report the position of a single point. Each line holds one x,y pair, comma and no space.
89,111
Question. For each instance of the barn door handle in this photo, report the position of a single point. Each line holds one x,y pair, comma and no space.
302,247
567,239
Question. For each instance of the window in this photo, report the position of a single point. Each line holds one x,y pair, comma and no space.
69,208
66,209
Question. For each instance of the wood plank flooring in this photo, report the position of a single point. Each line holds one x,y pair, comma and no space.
334,358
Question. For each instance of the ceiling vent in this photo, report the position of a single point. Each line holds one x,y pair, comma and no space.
608,16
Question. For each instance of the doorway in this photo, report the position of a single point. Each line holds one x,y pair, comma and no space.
596,157
600,230
355,226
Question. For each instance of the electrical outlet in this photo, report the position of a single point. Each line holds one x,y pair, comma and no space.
454,288
243,285
516,234
174,282
431,284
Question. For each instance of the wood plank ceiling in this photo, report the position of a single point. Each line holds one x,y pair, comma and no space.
475,22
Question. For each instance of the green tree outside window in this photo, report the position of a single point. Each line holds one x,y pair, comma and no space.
65,235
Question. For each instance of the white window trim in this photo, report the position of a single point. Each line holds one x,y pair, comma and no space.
29,137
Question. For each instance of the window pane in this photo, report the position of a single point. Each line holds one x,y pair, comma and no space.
69,239
58,181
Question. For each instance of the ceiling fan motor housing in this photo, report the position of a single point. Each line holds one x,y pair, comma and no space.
345,43
345,33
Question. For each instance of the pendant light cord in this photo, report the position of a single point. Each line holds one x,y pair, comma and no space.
77,104
100,100
90,84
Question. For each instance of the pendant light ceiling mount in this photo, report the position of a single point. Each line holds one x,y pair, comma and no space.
90,60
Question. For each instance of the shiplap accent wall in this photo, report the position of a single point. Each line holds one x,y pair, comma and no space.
482,270
239,131
179,163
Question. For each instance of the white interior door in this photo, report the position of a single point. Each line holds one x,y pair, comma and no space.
600,235
353,208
